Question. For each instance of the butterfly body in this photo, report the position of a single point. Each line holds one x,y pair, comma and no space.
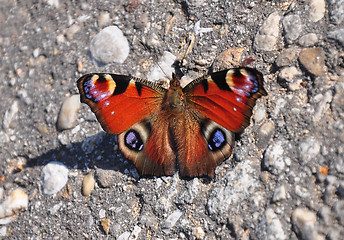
161,131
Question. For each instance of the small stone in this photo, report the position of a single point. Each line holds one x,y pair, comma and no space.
135,233
16,201
106,225
289,73
199,233
274,158
323,106
36,52
102,213
279,194
104,19
55,3
304,223
3,138
109,45
308,40
124,236
309,148
259,113
337,35
162,68
267,37
287,56
273,225
313,59
292,26
71,31
317,10
337,101
3,231
54,177
68,113
171,221
105,178
264,134
88,184
10,116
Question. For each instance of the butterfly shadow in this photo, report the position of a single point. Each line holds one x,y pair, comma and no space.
98,151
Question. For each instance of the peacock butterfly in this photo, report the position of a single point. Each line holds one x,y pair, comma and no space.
160,130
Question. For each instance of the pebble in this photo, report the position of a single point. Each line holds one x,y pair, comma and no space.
105,178
106,225
10,116
274,157
54,177
259,113
304,223
267,37
289,73
16,201
171,221
273,225
199,233
313,59
308,40
337,35
55,3
88,184
124,236
287,56
104,19
68,113
317,10
163,69
323,106
309,148
3,138
264,134
3,231
142,21
280,193
109,45
71,31
325,214
292,26
1,193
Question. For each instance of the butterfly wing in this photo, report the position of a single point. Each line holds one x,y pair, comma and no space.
220,104
119,101
227,97
128,106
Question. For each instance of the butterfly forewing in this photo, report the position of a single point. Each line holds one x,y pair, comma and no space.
227,97
119,101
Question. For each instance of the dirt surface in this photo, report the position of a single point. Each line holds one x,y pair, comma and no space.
286,177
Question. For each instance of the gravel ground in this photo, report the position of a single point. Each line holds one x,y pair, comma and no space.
285,179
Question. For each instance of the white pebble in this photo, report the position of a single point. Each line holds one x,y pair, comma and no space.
109,45
163,69
68,113
16,201
54,177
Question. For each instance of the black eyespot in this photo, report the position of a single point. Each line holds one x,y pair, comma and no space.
133,140
217,139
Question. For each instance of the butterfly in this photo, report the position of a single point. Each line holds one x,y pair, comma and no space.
189,129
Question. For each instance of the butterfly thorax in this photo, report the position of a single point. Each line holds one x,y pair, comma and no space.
175,98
